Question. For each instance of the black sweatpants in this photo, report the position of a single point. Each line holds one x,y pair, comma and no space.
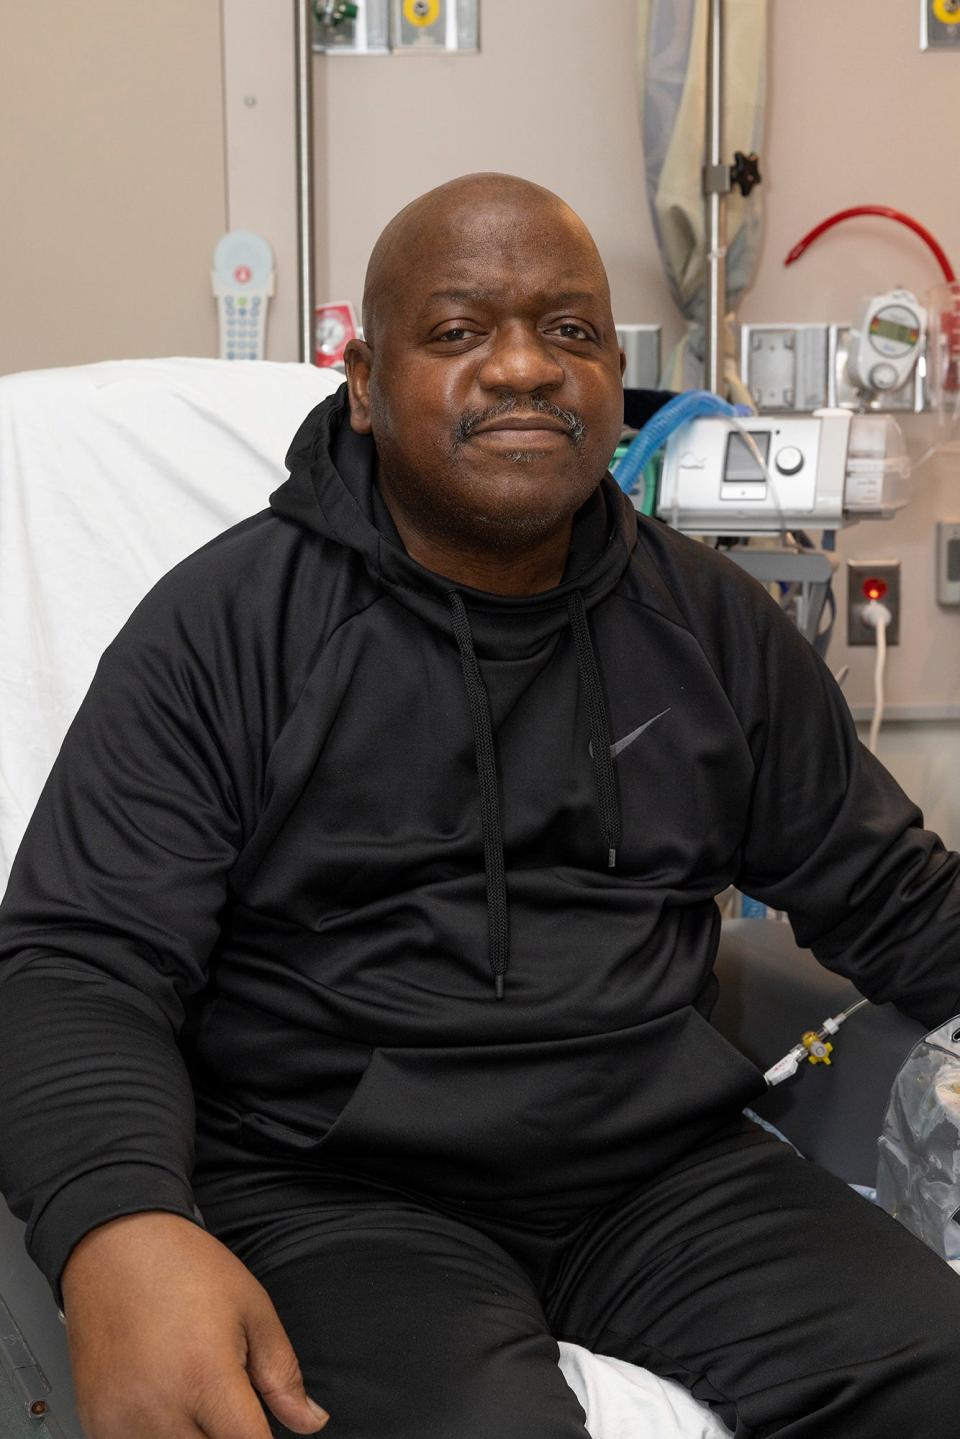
766,1286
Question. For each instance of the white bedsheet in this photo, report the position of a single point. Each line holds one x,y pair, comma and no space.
110,474
622,1401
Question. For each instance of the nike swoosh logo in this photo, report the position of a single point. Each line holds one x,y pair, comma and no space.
628,739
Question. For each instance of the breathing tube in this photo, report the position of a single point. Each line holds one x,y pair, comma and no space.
676,412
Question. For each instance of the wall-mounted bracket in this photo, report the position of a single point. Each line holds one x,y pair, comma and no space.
803,367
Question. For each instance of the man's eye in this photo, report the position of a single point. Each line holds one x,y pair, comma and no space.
455,333
571,331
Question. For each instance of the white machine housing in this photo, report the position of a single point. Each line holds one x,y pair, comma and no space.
885,342
823,471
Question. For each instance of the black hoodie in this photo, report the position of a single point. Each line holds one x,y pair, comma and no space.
320,807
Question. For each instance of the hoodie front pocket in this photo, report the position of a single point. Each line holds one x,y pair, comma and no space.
519,1121
308,1119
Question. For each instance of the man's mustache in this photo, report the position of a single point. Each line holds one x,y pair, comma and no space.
535,405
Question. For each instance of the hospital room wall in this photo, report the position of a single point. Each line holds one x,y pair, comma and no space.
856,113
113,179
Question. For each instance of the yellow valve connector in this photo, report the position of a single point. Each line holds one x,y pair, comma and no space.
818,1050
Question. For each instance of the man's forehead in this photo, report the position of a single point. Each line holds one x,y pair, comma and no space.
478,236
471,290
552,265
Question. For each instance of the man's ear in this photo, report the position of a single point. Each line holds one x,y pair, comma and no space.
358,358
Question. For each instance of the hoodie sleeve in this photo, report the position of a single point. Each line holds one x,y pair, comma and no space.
107,926
834,841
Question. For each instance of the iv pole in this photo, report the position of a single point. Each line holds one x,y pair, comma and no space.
811,570
304,101
716,187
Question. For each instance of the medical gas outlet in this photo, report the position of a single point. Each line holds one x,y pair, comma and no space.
939,25
872,582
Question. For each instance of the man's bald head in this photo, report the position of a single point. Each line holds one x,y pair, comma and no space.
489,378
413,236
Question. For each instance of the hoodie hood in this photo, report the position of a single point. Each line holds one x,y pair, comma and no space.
332,490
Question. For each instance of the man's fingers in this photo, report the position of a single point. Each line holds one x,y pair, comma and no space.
231,1412
275,1373
298,1412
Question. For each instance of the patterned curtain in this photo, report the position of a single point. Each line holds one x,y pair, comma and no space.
671,69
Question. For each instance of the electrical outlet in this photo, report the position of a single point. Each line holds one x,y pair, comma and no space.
866,580
948,562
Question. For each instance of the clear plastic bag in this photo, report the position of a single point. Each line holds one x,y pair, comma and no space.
918,1170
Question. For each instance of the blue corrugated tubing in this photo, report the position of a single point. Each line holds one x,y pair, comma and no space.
669,417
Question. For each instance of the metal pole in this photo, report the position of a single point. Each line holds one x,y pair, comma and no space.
304,92
716,184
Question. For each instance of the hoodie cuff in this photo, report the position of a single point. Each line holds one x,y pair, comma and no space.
96,1198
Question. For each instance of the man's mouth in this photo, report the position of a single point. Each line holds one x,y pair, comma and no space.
542,426
521,430
528,424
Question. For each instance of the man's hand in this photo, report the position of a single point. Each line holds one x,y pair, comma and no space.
170,1334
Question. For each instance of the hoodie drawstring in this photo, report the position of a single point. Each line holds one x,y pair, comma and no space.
497,918
498,929
606,777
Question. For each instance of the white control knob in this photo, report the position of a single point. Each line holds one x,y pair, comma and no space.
884,377
789,460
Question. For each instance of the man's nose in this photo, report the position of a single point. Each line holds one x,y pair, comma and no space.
521,360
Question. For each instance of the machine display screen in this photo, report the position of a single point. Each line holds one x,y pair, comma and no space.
740,465
890,330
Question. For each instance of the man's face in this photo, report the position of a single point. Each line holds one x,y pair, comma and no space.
492,387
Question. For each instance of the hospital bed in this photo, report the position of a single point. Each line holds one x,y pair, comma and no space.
111,473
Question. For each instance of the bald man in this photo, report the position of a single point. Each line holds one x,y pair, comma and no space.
388,836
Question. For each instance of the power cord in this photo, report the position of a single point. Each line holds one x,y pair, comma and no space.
878,617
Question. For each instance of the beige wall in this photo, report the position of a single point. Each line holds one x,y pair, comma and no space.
857,114
112,178
925,760
115,183
551,96
259,103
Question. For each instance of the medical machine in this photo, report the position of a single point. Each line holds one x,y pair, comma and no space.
243,281
767,473
885,342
